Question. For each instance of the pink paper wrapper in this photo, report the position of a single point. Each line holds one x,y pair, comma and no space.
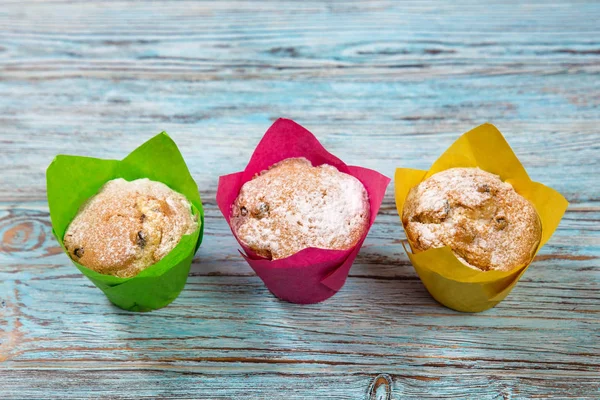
311,275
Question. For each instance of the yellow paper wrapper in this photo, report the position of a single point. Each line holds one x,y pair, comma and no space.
447,279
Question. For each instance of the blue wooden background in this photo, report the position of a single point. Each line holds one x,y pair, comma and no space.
382,84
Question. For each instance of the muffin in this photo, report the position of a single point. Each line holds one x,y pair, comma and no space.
294,206
486,224
128,226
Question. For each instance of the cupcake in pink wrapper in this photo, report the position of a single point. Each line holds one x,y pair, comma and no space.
310,274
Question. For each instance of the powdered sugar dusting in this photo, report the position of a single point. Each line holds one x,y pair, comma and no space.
482,219
294,205
129,226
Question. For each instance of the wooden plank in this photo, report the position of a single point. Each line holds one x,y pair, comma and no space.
383,85
149,383
226,323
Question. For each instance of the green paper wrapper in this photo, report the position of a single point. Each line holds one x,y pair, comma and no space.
71,180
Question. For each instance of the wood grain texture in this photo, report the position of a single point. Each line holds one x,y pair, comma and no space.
382,85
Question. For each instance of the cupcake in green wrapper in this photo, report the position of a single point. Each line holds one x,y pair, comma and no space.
161,226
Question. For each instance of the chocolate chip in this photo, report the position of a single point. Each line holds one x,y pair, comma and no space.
243,211
446,209
142,217
78,252
483,188
262,211
501,223
141,239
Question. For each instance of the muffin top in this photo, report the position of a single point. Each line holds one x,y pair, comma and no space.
483,220
293,206
128,226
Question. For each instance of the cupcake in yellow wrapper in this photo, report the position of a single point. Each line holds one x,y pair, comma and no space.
447,279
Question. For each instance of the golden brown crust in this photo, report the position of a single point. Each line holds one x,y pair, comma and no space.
483,220
128,226
294,205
